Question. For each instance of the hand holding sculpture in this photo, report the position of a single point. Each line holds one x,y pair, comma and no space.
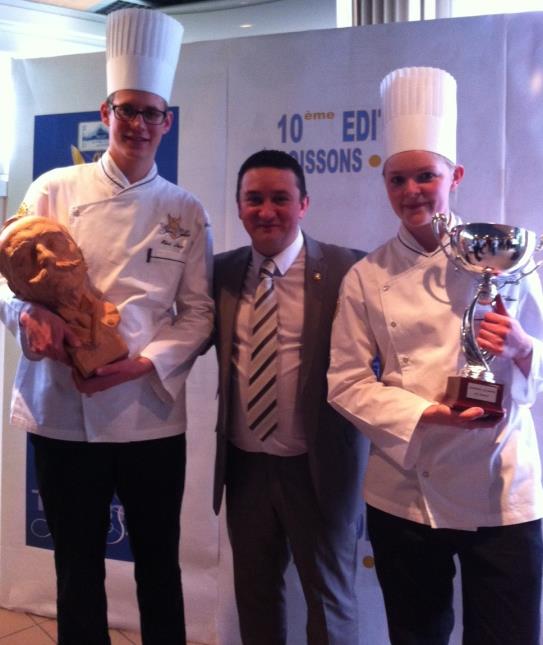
42,264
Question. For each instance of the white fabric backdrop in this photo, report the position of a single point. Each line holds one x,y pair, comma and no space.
241,95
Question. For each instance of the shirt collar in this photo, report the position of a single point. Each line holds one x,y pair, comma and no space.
283,260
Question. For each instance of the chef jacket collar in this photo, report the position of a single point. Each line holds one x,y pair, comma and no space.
118,178
407,239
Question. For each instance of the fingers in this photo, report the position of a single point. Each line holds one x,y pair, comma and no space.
42,339
111,369
477,417
494,331
474,417
490,340
471,414
127,368
496,324
100,382
113,374
498,321
45,334
504,336
93,384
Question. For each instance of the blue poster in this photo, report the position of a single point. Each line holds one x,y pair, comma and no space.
37,531
62,140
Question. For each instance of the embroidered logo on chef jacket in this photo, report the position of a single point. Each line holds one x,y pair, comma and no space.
174,240
173,229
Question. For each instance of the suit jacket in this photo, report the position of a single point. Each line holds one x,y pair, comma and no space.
337,451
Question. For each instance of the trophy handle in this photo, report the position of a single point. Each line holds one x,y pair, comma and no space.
439,226
536,266
523,274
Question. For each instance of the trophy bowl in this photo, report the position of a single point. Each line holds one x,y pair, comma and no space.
499,248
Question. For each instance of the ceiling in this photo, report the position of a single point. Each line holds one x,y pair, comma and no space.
30,29
107,6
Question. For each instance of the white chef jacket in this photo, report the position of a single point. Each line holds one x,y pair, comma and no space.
148,249
405,306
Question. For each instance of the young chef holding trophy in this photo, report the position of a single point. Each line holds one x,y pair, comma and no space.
441,481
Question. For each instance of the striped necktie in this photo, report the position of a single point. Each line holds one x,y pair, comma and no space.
262,395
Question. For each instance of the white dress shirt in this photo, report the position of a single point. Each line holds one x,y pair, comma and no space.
148,249
288,438
405,306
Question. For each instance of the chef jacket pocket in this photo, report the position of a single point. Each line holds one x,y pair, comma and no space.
164,268
156,255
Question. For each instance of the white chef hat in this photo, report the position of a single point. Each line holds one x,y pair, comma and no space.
142,50
419,111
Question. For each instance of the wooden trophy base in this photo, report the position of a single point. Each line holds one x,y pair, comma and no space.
464,392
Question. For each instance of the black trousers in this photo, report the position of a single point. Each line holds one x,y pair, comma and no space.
76,481
501,570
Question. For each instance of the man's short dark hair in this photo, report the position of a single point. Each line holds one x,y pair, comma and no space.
273,159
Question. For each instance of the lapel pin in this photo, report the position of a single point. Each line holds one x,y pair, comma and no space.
317,276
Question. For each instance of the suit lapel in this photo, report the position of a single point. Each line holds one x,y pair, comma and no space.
314,283
230,293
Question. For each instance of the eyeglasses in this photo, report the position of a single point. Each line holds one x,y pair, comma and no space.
126,112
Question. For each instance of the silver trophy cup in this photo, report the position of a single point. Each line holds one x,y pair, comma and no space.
499,254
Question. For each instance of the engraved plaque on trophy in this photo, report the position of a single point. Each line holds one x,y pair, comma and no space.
498,255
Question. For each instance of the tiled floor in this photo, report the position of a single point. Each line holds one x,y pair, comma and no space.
26,629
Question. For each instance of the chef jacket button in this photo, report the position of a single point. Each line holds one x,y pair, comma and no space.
386,287
393,324
75,212
425,474
405,360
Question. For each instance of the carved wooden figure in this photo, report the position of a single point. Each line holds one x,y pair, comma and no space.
42,264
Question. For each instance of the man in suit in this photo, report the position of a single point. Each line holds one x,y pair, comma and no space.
291,465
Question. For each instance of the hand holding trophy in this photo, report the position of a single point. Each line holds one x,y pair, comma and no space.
498,255
42,264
